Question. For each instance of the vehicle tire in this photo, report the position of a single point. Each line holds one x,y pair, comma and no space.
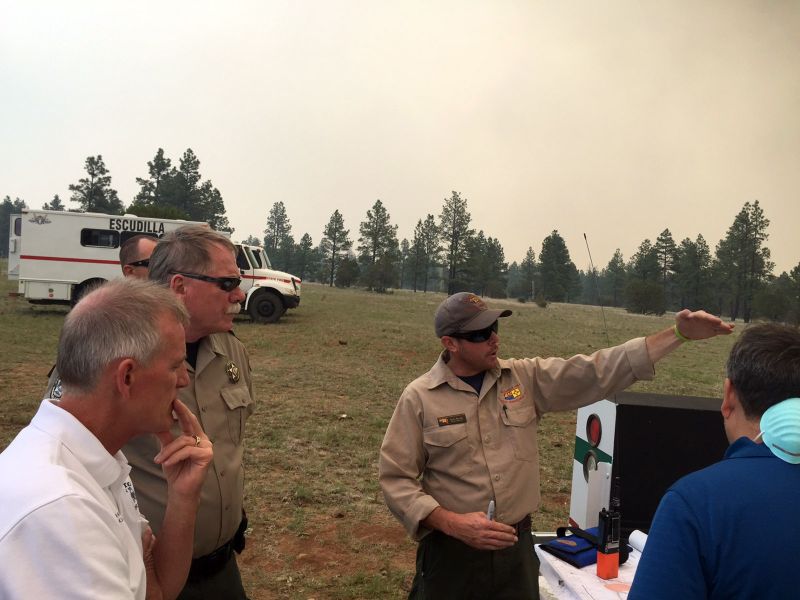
84,288
265,307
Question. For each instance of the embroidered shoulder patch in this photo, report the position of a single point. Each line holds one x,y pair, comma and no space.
512,394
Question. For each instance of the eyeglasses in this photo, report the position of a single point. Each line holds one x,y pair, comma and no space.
476,337
226,284
145,262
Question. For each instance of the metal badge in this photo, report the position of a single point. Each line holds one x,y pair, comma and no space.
233,372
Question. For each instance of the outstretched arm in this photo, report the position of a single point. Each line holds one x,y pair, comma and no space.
697,325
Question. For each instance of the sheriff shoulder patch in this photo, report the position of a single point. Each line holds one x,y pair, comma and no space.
452,420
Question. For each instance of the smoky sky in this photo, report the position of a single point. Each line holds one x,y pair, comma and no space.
617,119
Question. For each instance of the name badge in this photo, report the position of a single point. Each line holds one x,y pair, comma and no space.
452,420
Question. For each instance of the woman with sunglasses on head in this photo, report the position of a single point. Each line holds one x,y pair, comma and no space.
464,435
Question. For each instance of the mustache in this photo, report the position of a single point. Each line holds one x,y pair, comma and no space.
233,309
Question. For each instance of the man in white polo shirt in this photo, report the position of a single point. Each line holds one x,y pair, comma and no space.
70,526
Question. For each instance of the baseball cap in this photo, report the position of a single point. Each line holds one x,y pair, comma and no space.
463,312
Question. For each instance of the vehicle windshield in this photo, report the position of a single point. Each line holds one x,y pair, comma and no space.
260,258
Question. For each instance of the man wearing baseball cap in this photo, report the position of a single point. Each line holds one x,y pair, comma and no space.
459,461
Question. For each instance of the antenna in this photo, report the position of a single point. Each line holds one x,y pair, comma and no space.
597,288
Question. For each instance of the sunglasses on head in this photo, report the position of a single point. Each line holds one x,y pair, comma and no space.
476,337
145,262
226,284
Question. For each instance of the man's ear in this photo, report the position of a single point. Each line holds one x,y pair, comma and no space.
127,270
177,284
730,399
124,374
449,344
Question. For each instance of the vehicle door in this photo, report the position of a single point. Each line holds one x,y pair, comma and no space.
246,269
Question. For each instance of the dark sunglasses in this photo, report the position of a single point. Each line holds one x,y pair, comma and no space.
145,262
226,284
476,337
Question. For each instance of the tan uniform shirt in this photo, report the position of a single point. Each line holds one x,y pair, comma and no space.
448,446
220,394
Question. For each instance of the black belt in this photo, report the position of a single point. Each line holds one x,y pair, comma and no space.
524,526
212,563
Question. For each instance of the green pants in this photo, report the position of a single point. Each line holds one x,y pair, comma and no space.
448,568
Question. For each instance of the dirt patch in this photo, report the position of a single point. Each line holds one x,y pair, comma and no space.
337,548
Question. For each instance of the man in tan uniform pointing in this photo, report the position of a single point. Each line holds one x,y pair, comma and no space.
464,434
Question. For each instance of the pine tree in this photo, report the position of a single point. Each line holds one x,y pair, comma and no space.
644,293
251,240
94,193
404,258
693,273
160,172
334,245
644,263
559,275
613,280
177,193
527,271
431,248
454,230
54,204
278,240
794,295
378,248
666,252
742,260
303,257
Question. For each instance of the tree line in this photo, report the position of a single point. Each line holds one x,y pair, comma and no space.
168,191
445,253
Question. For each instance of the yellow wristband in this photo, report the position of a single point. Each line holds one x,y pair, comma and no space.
679,335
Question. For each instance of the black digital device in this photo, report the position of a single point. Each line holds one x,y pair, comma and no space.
609,532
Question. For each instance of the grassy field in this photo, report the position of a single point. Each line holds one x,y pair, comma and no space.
327,377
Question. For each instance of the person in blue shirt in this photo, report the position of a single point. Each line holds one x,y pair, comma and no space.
732,530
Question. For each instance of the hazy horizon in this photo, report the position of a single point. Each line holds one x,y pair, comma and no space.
617,120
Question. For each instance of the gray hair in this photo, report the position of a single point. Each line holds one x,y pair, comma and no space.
119,319
185,250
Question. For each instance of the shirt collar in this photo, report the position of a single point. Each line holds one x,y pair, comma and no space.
441,373
744,447
81,443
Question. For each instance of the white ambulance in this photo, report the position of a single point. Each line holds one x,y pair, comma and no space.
56,256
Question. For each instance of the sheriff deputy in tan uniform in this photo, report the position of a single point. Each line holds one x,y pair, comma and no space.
464,434
199,266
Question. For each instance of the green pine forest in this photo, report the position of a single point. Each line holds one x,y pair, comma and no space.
445,253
